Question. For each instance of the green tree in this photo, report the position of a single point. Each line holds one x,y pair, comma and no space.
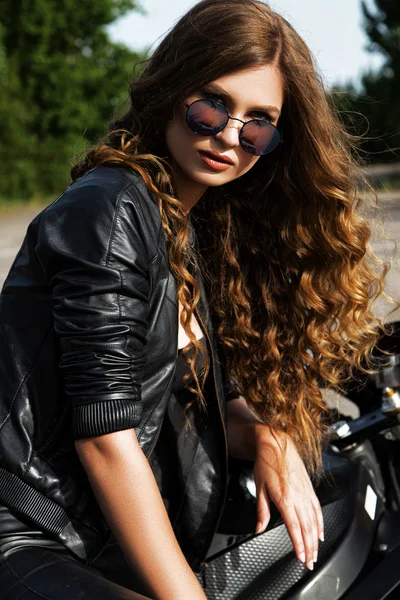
61,79
378,99
16,144
382,26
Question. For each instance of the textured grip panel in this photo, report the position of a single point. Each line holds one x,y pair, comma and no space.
266,567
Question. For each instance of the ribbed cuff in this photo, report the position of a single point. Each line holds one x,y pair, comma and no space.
105,417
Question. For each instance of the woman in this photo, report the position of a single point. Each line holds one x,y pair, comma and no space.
226,196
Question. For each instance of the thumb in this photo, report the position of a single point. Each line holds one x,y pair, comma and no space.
263,509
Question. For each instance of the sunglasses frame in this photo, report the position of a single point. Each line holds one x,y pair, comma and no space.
233,119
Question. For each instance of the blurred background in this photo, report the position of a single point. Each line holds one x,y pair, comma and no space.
65,70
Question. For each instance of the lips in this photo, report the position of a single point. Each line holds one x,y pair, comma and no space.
216,156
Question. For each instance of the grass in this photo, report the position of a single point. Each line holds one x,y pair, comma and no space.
390,185
13,206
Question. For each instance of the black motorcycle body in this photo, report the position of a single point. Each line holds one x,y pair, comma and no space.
360,499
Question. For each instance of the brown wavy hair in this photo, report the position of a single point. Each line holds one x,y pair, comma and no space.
290,275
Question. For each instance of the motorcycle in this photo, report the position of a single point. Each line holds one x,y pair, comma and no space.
360,499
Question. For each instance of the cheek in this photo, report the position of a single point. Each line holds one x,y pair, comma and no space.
178,138
171,135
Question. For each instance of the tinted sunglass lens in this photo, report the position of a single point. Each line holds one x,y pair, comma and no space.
206,117
259,137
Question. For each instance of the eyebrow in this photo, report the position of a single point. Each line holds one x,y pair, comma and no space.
214,88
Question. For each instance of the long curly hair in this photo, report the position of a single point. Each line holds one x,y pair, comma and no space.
284,250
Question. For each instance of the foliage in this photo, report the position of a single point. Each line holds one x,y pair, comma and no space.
375,110
383,29
61,78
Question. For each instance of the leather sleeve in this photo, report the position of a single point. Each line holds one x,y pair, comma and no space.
92,251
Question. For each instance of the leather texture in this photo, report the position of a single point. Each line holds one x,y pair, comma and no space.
33,572
88,345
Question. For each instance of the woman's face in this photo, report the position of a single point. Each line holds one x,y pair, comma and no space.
255,93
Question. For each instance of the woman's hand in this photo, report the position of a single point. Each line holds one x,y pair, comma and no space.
291,492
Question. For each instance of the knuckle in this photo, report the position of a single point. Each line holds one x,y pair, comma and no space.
295,525
287,501
308,529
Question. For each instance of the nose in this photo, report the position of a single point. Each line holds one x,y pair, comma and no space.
229,136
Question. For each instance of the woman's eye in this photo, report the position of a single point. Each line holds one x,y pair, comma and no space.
210,96
262,115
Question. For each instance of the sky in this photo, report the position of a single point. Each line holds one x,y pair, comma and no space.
331,28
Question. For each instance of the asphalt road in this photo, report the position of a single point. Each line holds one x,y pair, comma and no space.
13,227
386,249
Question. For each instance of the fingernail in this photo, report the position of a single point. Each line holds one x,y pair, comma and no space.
303,557
315,556
259,528
321,536
310,565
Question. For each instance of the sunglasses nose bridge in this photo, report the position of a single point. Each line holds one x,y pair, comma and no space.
236,119
230,134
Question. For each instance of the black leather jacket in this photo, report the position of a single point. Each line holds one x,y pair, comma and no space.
89,330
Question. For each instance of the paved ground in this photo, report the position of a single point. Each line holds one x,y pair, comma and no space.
12,231
13,227
386,249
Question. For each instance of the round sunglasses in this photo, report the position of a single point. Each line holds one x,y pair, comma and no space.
208,117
